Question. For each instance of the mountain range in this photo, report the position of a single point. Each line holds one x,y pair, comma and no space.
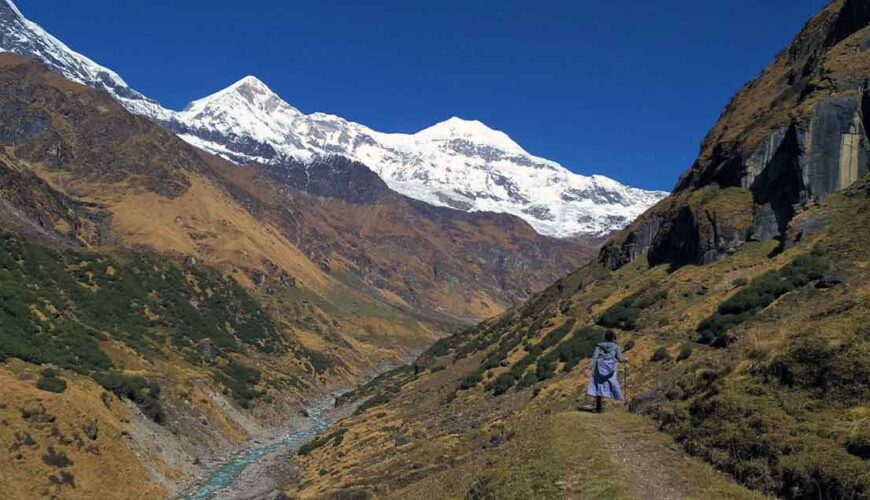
216,299
462,164
179,286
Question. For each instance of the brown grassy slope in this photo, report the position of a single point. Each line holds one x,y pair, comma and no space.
130,184
76,425
431,441
783,408
438,261
469,265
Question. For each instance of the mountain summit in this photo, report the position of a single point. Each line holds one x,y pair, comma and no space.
462,164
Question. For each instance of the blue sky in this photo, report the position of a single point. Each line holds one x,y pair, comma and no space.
622,88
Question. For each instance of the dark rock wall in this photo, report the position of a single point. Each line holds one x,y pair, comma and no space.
792,136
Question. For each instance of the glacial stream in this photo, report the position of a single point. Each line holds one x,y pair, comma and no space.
227,474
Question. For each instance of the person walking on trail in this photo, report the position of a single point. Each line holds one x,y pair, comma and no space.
602,371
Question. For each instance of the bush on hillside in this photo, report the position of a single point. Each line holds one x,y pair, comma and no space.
530,379
56,458
622,315
50,381
471,380
334,438
836,372
625,314
660,355
144,393
241,380
502,383
557,334
581,345
685,352
763,290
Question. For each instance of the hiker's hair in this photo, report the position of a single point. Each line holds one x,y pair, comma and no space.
610,336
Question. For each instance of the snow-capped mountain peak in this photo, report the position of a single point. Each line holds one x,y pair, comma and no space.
249,92
463,164
474,131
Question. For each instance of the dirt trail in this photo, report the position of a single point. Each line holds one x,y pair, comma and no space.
652,464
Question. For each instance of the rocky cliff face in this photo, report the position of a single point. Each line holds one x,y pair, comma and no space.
793,135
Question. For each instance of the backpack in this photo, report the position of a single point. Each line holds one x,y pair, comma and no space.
605,367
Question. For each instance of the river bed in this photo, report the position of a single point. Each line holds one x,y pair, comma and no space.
254,472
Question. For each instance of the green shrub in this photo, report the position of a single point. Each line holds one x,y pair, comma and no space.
471,380
241,380
319,362
556,335
529,380
839,373
56,458
859,445
51,384
660,355
763,290
334,438
440,347
685,352
144,393
580,345
502,383
622,315
739,282
546,369
626,313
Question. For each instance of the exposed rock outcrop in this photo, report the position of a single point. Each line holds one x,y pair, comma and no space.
793,135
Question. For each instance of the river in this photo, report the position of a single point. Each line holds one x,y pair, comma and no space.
221,479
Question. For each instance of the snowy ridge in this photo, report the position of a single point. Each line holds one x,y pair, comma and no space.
24,37
459,163
463,164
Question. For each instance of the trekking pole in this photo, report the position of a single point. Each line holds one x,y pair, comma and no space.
625,382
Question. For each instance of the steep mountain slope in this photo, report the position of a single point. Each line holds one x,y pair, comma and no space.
791,136
468,265
24,37
219,299
457,163
744,318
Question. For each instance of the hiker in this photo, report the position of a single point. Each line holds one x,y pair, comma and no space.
603,381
